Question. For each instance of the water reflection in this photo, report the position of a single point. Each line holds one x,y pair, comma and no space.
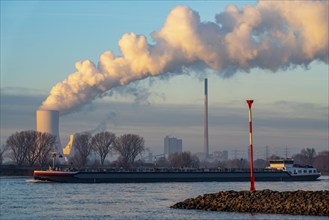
23,199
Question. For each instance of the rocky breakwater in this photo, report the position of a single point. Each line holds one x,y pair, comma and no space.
263,201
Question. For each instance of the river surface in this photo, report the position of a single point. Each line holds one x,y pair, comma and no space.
23,198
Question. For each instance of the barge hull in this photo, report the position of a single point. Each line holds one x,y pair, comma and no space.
149,177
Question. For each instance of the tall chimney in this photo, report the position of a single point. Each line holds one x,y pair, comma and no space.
48,121
205,121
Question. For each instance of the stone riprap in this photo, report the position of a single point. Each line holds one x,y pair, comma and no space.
263,201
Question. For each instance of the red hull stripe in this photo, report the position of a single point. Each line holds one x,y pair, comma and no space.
54,173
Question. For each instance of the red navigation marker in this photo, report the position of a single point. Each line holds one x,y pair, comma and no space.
252,178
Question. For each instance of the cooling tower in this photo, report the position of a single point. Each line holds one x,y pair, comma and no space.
48,121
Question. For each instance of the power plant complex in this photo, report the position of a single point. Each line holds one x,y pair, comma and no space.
47,121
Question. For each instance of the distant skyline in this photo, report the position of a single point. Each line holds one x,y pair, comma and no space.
42,41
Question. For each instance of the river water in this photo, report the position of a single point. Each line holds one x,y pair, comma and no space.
23,198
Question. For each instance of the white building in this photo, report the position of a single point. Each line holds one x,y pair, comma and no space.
172,145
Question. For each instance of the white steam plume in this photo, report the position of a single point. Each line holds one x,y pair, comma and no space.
271,35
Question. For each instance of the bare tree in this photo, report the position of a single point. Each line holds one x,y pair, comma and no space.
44,145
83,148
3,149
102,144
321,162
30,146
184,159
308,155
174,160
32,152
19,145
39,146
129,146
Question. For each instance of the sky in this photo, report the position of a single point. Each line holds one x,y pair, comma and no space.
41,42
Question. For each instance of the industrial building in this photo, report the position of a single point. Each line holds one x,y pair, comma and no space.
172,145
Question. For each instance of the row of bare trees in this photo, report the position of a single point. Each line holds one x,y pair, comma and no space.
84,144
32,148
29,147
128,146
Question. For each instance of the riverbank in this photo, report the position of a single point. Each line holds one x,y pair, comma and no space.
299,202
12,170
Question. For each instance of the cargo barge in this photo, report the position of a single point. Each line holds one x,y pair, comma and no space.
283,170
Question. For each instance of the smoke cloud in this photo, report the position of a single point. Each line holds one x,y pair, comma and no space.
103,125
271,35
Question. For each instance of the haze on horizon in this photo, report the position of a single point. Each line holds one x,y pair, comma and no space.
40,42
